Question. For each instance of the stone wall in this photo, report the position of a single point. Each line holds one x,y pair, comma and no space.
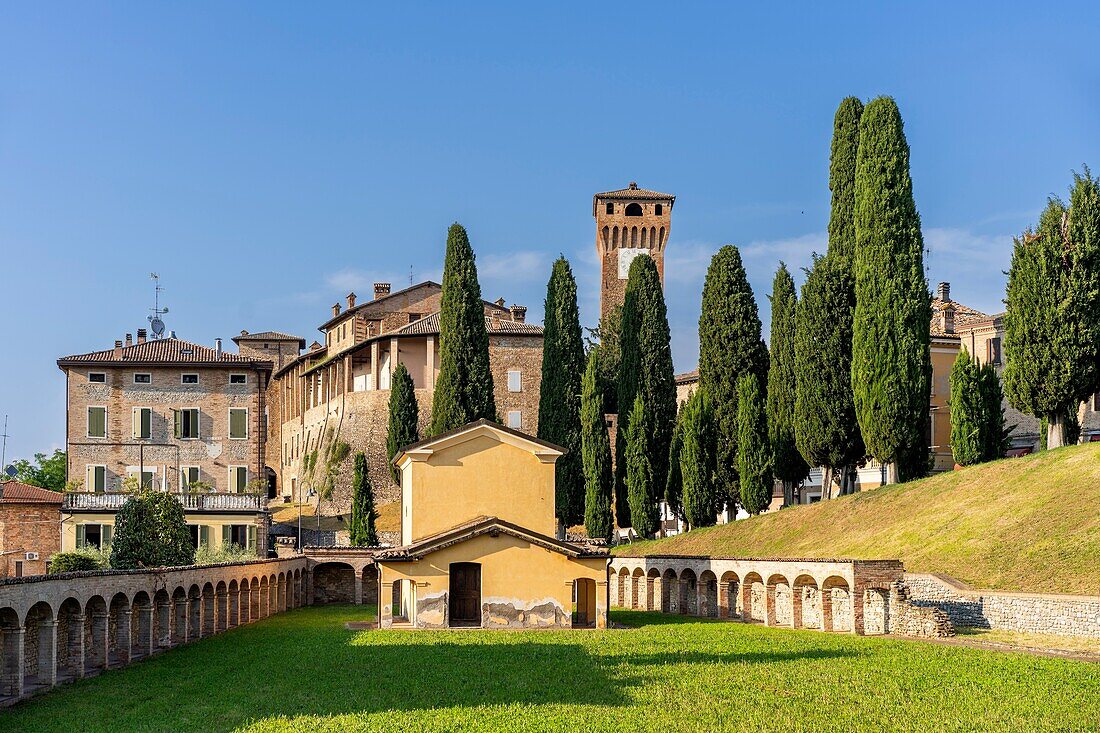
1027,612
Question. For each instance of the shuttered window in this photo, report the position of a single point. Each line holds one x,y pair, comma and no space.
515,381
97,422
188,475
238,423
142,422
186,423
96,479
238,479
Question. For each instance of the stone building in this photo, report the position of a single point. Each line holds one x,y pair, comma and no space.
177,416
29,528
333,400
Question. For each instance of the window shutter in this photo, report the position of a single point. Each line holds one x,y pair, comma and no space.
227,535
177,420
99,478
107,533
146,422
238,423
89,478
80,537
251,537
204,535
135,422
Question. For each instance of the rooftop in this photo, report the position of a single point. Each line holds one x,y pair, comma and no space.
17,492
964,316
633,193
161,351
269,336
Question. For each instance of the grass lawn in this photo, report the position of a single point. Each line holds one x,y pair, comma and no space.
302,671
1025,524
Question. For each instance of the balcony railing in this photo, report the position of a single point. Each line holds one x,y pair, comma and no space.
113,501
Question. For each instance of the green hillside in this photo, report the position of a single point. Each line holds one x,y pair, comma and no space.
1026,524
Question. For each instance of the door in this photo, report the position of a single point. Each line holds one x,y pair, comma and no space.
584,603
465,595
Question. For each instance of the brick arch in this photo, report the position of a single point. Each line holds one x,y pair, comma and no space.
637,585
753,598
11,653
95,634
653,590
729,595
162,620
623,599
836,604
70,640
689,592
708,594
333,582
806,603
39,654
779,606
670,591
209,625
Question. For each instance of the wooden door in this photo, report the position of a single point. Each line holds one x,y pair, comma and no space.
465,595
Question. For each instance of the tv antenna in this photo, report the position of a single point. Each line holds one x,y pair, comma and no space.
156,323
410,274
10,470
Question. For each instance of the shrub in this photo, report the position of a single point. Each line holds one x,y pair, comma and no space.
231,552
75,562
151,532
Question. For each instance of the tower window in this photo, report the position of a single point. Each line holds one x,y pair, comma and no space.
610,208
658,209
633,209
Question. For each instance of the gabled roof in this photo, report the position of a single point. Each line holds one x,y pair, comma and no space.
368,303
687,377
493,527
269,336
164,352
964,316
424,448
430,325
633,193
16,492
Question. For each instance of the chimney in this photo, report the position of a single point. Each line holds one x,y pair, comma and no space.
244,333
141,336
943,292
118,349
947,316
129,340
500,302
335,309
519,313
351,300
218,346
381,289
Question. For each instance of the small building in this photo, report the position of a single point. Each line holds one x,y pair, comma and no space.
479,539
29,528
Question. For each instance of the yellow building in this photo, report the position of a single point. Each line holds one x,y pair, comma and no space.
478,539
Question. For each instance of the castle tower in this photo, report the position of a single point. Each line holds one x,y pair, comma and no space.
629,222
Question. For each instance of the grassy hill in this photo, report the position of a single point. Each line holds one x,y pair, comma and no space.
1026,524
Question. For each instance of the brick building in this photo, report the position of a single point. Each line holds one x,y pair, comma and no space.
29,528
180,417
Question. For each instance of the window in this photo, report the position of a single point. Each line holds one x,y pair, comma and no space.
238,423
413,317
658,209
189,379
633,209
93,535
97,377
95,478
238,479
143,379
609,208
238,379
993,353
200,535
242,535
188,475
148,476
186,423
142,419
514,419
515,383
97,422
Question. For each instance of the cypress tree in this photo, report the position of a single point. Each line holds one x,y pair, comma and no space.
729,347
969,430
563,367
1052,323
891,360
607,333
361,530
640,476
645,369
596,449
697,461
754,456
404,416
674,486
997,433
464,388
842,180
790,467
826,430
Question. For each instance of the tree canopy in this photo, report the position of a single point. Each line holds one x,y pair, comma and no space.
404,416
151,532
596,450
790,466
361,528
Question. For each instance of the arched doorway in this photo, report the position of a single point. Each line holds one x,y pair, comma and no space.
584,603
464,604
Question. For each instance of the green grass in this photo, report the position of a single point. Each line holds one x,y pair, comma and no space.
1027,524
302,671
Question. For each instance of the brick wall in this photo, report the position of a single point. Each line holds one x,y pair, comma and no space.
28,528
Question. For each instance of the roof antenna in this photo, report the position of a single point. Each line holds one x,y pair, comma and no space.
9,470
410,274
156,323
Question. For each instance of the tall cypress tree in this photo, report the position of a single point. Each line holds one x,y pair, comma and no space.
674,486
464,388
729,347
826,430
891,360
563,367
645,369
361,530
842,180
596,449
790,467
404,418
754,455
607,334
640,478
997,433
697,461
968,411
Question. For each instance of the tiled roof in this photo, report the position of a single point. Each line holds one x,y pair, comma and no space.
479,526
964,316
688,377
159,351
430,324
16,492
632,192
269,336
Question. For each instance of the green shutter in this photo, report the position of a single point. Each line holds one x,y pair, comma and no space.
80,540
204,535
106,534
227,535
238,423
251,537
146,422
177,424
97,422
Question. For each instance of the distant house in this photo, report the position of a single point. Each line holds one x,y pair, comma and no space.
29,528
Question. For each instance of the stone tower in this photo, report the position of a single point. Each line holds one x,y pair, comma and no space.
629,222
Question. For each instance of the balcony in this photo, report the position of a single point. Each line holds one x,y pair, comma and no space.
113,501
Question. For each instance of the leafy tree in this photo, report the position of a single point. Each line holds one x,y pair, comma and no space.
563,365
645,369
404,416
891,360
997,432
151,532
464,388
968,411
790,466
826,430
698,462
596,450
1052,324
640,478
842,180
361,531
729,347
754,455
47,471
674,486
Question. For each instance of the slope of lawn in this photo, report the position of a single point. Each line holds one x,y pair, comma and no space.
1026,524
303,671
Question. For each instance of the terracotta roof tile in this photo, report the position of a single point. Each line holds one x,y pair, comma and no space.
16,492
633,193
269,336
964,316
157,351
430,324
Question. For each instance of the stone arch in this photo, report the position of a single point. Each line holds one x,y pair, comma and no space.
622,600
209,610
633,209
162,619
194,612
141,626
728,595
876,611
221,607
280,592
333,582
637,583
370,584
779,601
11,655
254,600
661,238
179,616
754,598
39,648
265,598
245,602
645,236
689,592
670,592
272,594
653,590
836,604
298,590
708,594
70,640
634,236
806,603
605,233
95,634
233,604
653,237
615,238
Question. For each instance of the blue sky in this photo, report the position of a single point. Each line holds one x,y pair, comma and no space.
266,159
